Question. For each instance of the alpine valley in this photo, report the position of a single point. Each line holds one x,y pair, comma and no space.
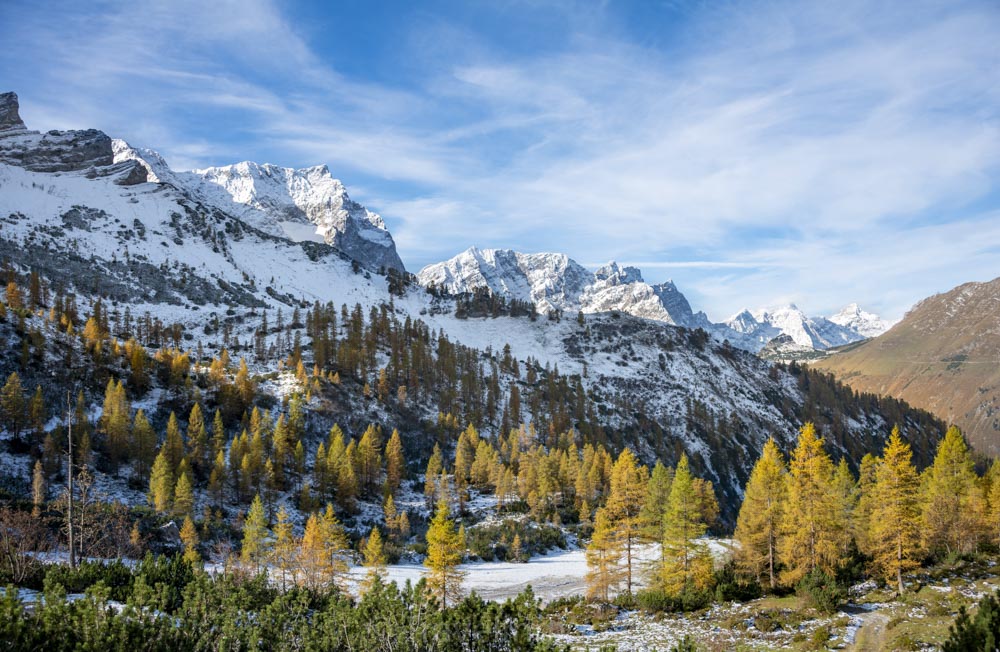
241,346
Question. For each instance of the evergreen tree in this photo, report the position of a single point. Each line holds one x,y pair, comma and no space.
336,545
687,562
604,572
12,405
895,522
254,550
628,490
143,448
811,529
444,554
37,415
197,439
758,525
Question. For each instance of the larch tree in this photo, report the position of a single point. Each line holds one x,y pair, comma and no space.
435,466
255,533
143,444
687,562
628,491
161,483
950,500
189,537
811,530
395,462
183,495
862,518
283,551
758,527
337,548
444,554
604,572
374,557
655,504
894,528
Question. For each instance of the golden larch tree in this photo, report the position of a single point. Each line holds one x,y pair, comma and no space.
894,530
758,527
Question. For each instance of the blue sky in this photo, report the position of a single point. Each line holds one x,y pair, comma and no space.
755,152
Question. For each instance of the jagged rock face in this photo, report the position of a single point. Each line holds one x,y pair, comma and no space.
818,333
550,281
55,151
10,118
309,197
304,205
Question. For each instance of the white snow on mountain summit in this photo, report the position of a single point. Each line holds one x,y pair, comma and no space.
554,281
305,204
863,323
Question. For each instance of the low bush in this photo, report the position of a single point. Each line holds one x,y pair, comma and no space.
822,591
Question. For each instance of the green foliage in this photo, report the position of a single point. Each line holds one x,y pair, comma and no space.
824,592
730,586
170,607
975,633
658,600
494,541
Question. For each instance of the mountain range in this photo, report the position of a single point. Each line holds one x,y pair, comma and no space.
553,281
210,253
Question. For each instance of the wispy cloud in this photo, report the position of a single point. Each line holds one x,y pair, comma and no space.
758,152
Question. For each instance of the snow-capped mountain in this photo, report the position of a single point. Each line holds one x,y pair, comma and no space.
866,324
553,281
210,251
307,204
849,325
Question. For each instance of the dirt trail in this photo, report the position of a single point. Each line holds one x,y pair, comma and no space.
870,633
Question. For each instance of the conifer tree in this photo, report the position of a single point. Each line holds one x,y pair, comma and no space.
628,490
12,405
335,542
197,439
395,462
313,559
687,562
183,495
217,479
435,467
374,557
283,551
161,483
861,521
37,414
189,537
254,550
444,554
654,507
604,573
895,521
950,502
758,525
143,446
811,528
173,445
